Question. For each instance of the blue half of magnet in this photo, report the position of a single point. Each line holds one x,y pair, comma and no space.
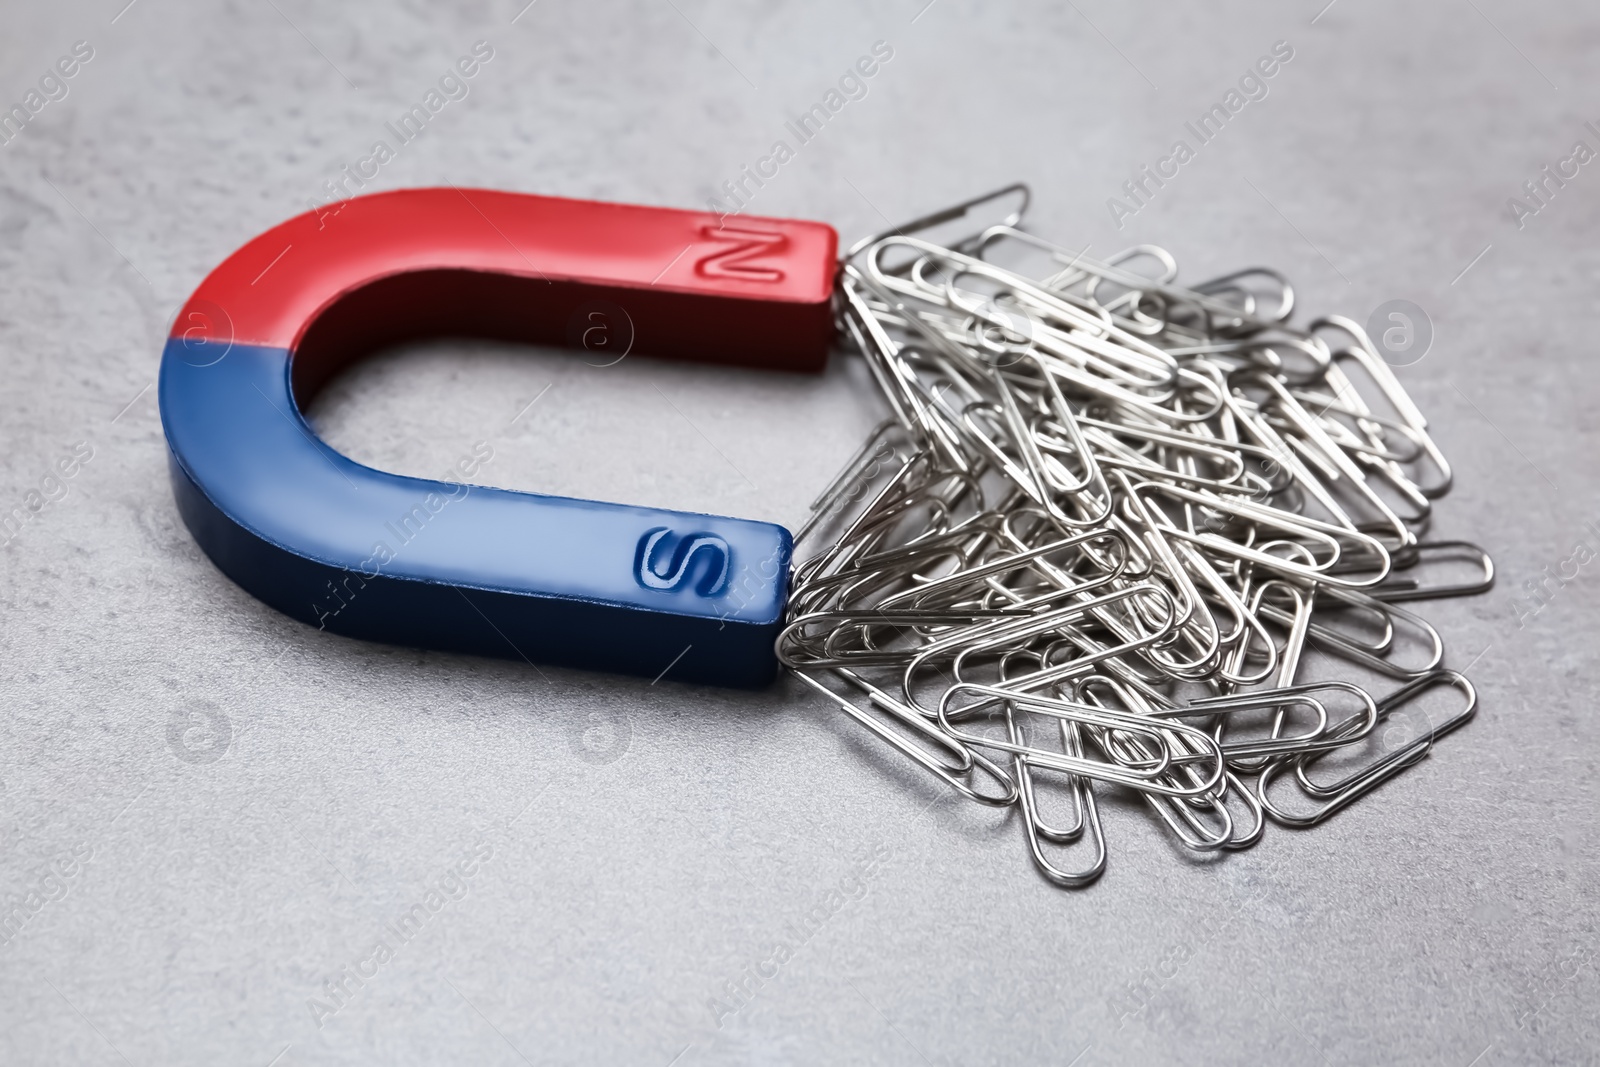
411,561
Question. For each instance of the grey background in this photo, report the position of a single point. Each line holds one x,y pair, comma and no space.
648,842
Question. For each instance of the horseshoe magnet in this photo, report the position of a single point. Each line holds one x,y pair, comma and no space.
444,565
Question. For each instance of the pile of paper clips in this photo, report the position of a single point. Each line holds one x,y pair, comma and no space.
1105,531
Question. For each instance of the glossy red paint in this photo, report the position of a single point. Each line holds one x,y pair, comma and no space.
334,284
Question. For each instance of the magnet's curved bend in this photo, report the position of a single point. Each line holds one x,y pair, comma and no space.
439,564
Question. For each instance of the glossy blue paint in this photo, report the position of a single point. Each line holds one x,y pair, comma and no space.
444,565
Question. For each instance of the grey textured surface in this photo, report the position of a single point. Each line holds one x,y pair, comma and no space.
647,843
